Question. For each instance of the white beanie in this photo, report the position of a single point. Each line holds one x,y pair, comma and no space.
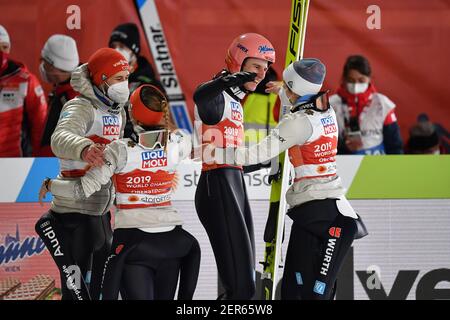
305,76
61,52
4,36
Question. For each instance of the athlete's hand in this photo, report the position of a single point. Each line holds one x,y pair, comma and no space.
197,152
275,171
209,153
273,86
93,155
45,187
238,78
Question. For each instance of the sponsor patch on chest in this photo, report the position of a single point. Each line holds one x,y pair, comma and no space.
9,100
154,159
329,125
111,126
236,111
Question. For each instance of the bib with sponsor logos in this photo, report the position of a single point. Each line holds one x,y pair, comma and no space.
229,132
317,156
146,180
105,129
13,93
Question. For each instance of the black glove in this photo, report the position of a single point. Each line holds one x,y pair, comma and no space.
238,79
275,176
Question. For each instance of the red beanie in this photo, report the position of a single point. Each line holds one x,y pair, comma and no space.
105,63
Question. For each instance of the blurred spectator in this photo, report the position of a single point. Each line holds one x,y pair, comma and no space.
125,38
23,108
59,57
366,118
427,138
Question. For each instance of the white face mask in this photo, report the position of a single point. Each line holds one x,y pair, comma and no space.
119,92
43,72
125,53
356,88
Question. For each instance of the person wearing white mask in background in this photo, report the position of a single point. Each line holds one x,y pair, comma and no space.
23,108
125,38
366,118
59,57
86,125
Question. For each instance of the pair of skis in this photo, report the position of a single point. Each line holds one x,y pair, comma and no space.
274,233
164,63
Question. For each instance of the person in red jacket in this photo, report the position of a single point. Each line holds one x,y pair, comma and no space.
23,109
59,57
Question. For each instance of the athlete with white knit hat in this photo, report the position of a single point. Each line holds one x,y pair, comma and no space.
325,224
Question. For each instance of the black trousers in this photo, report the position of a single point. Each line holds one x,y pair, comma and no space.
320,238
146,266
223,209
79,244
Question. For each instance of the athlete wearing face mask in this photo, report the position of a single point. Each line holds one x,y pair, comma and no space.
86,125
366,118
150,249
111,89
125,38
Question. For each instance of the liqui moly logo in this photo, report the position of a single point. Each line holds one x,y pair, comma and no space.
111,126
236,111
329,125
154,159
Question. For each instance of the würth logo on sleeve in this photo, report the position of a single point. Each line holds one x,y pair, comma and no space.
111,126
335,232
236,111
329,125
154,159
331,245
119,248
